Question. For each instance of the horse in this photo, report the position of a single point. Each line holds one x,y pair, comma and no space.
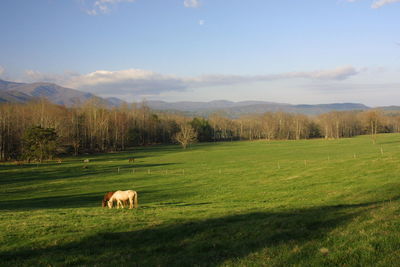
107,197
86,161
121,196
131,160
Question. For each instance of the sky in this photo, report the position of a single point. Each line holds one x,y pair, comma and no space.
298,52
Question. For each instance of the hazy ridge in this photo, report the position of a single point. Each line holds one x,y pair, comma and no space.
14,92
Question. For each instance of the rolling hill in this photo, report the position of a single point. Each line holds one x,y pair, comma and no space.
23,92
237,109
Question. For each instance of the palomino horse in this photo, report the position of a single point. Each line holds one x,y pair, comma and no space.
121,196
107,197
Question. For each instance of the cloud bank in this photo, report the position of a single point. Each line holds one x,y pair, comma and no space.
142,82
2,70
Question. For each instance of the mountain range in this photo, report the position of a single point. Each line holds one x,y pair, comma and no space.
15,92
24,92
236,109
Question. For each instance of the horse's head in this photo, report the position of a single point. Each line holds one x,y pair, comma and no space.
103,203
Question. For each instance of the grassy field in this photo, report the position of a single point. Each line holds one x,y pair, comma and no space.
281,203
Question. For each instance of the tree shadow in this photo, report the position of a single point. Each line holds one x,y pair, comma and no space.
70,201
33,175
90,200
207,242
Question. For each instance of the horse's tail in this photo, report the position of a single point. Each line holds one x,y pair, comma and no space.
135,200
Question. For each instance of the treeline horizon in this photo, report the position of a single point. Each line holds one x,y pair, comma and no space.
94,128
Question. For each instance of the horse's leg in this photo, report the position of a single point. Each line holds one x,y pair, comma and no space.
122,204
131,203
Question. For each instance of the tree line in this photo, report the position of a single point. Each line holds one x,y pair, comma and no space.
39,130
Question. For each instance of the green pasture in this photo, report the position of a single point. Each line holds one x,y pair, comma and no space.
279,203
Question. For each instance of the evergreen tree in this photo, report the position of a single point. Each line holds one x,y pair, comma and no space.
39,143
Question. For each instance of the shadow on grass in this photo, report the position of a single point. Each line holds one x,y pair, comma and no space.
32,174
70,201
91,200
142,152
207,242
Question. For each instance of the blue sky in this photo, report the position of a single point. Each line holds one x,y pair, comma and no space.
304,51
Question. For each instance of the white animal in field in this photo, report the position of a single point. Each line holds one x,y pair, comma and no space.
121,196
86,161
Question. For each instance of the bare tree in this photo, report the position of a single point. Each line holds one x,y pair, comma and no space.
186,136
372,120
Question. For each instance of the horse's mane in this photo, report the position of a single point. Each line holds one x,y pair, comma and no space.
108,195
106,198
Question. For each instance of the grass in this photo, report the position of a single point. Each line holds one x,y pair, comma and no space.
281,203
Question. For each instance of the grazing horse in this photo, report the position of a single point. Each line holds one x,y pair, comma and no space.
131,160
121,196
107,197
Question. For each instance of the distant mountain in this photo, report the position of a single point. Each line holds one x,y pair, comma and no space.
14,97
115,102
23,92
189,106
236,109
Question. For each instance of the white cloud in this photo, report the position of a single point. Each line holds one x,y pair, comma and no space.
132,80
142,82
381,3
192,3
101,6
2,70
37,76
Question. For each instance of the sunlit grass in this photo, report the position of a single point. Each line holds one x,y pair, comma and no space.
307,203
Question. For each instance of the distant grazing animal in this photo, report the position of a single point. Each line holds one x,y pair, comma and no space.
86,161
131,160
59,160
120,196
